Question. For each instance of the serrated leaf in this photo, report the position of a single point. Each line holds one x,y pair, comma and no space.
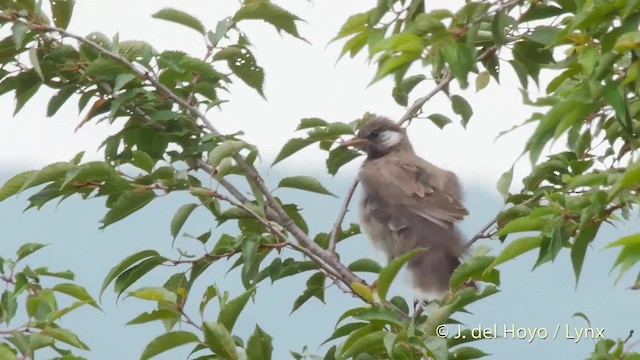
128,203
365,265
243,64
167,342
389,272
585,235
339,157
439,120
124,265
630,240
259,345
180,17
461,107
59,98
466,353
62,11
227,148
315,288
232,309
307,123
306,183
219,340
505,182
181,217
291,147
265,10
16,183
142,160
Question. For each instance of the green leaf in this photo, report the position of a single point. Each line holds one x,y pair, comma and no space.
389,272
339,157
306,183
627,41
59,99
163,314
259,345
181,18
365,265
505,182
401,91
62,11
523,224
228,148
439,120
124,265
631,240
308,123
354,24
466,353
380,313
167,342
585,235
219,340
16,183
230,311
155,293
33,57
128,203
475,268
243,64
315,288
66,336
181,217
367,343
264,10
588,58
77,292
142,160
291,147
515,248
28,249
134,273
482,80
630,177
437,347
461,107
91,171
498,27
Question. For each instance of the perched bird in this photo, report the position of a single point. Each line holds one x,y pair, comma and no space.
408,203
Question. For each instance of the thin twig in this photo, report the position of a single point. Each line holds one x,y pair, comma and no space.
337,227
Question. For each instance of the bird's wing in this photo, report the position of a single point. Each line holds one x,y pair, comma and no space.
407,184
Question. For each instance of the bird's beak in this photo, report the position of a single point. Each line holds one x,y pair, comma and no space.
355,142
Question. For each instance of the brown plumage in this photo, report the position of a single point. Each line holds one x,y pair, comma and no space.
408,203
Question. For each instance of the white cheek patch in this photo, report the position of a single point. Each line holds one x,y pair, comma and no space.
390,138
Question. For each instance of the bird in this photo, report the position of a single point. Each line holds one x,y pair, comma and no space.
407,203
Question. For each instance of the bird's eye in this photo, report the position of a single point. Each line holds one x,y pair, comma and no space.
375,133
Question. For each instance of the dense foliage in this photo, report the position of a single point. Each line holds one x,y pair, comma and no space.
165,144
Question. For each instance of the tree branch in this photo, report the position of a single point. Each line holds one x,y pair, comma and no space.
274,210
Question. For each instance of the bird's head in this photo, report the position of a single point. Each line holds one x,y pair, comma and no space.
379,137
